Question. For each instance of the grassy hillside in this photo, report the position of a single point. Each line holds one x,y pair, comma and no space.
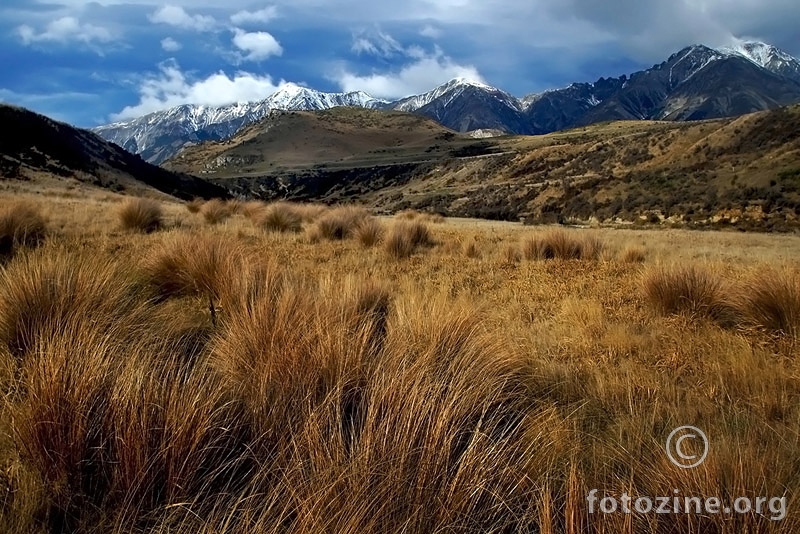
251,368
37,149
340,138
743,171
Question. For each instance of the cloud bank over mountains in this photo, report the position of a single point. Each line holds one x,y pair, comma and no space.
139,56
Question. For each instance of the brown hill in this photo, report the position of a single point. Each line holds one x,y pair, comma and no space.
744,171
32,145
336,138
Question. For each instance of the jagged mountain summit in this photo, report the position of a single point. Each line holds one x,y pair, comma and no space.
767,56
160,135
695,83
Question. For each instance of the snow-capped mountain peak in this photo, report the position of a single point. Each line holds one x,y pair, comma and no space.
766,56
452,90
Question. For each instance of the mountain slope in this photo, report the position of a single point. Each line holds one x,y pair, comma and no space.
159,136
41,145
465,106
339,137
769,57
695,83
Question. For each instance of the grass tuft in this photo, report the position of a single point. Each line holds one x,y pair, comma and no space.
216,211
339,223
21,225
192,264
691,290
562,245
195,205
369,232
405,237
280,217
633,254
141,215
770,301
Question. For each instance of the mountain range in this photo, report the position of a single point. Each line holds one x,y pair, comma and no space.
695,83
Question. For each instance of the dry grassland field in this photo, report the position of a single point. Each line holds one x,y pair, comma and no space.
244,367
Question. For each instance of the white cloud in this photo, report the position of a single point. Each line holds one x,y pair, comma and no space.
177,16
170,45
64,30
414,78
381,44
376,43
265,15
430,32
171,87
257,45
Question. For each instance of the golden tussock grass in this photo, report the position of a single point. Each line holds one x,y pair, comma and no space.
141,215
471,250
195,205
633,254
406,237
562,245
369,232
335,391
216,211
770,301
280,217
338,223
21,225
191,264
691,289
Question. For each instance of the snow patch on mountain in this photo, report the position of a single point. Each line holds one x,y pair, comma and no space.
449,92
766,56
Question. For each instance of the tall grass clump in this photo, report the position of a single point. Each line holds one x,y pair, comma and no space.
216,211
280,217
52,290
141,215
253,209
310,212
21,225
405,237
633,254
186,264
195,205
338,223
369,232
770,301
691,289
562,245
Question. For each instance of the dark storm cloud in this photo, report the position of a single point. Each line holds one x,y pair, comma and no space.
650,30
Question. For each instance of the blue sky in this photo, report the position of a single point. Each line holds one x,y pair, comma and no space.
89,63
